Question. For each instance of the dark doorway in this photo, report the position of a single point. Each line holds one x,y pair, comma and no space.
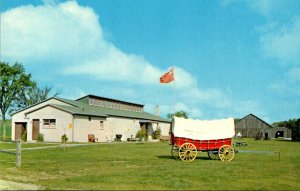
35,128
266,136
279,134
145,126
20,129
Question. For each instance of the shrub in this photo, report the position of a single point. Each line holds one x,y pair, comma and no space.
64,138
141,134
24,136
40,137
156,134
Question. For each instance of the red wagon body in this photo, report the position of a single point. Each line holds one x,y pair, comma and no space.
201,145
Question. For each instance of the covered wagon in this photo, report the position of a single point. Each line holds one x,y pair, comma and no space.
188,136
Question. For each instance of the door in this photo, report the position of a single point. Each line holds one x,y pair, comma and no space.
20,129
35,128
266,136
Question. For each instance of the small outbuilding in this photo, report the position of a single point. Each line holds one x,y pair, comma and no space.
88,118
281,132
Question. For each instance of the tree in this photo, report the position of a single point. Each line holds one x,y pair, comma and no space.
181,113
33,96
236,120
13,80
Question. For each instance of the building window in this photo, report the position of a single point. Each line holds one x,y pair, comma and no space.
101,125
49,123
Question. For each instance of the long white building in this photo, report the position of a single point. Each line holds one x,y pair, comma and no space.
104,118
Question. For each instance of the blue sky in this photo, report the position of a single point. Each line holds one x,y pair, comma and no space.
231,57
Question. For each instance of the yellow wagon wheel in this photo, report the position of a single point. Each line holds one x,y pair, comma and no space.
226,153
214,155
175,151
187,152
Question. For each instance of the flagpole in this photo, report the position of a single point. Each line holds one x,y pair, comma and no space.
167,78
0,32
174,91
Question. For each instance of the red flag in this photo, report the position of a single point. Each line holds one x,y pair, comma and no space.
167,77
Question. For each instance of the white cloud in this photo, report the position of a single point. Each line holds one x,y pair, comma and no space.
55,33
184,79
118,66
215,97
283,43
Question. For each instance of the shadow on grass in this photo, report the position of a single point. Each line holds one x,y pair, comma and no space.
172,158
285,140
165,157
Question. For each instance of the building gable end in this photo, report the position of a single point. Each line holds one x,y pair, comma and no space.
48,105
28,109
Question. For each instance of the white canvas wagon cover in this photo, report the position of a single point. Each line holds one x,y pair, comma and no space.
203,129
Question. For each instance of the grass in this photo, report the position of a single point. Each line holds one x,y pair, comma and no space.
8,130
150,166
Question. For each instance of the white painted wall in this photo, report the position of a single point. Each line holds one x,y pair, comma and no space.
111,126
63,121
127,127
83,125
164,127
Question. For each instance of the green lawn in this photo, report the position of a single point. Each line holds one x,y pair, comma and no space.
149,166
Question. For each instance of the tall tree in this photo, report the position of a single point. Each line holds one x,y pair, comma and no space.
33,96
13,80
181,113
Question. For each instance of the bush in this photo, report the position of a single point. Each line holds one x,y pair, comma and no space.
64,138
156,134
40,137
141,134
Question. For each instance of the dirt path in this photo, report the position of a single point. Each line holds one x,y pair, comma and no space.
10,185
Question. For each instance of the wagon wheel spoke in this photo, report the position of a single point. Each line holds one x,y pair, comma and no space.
193,155
182,153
